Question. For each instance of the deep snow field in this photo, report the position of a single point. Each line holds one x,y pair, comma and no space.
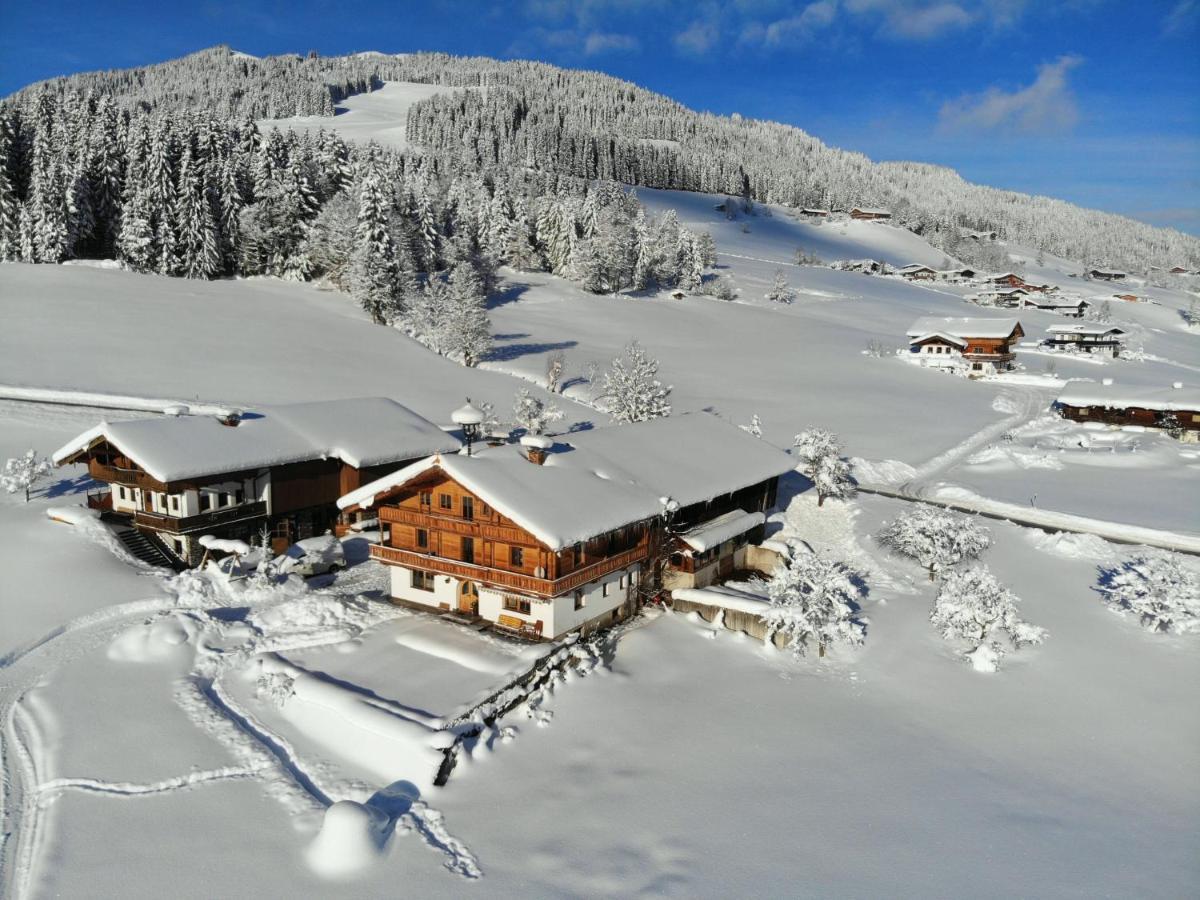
147,752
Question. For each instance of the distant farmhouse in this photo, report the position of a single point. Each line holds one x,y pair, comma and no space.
556,534
859,212
916,272
1105,275
1175,409
175,478
981,346
1102,340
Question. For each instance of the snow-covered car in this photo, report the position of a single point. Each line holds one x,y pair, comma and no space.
312,556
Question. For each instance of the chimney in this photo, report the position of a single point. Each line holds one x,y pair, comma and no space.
1178,385
230,417
536,447
1106,381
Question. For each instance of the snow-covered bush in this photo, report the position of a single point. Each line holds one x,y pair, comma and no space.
814,600
721,287
1158,588
781,291
631,391
936,538
556,364
821,453
21,473
972,605
530,413
755,426
275,688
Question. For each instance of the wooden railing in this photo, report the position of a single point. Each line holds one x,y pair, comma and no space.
453,524
117,475
211,519
517,581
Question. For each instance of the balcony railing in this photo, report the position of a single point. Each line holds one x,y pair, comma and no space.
211,519
543,587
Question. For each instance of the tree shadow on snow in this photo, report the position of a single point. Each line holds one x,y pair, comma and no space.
510,294
515,351
64,486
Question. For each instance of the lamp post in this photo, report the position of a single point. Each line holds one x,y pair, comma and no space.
469,419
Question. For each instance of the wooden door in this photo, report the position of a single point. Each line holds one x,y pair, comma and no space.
468,598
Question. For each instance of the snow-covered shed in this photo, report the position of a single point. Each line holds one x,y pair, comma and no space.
536,537
981,346
281,466
1175,409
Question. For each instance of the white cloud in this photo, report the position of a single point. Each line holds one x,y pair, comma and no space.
1181,17
1046,106
697,38
608,42
914,19
797,28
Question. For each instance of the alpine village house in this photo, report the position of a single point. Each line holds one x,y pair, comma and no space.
170,480
980,346
1175,410
548,535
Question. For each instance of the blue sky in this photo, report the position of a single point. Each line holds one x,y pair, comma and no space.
1094,101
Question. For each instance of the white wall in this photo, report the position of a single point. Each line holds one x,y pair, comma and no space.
444,590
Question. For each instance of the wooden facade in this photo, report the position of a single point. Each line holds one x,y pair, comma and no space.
859,213
1187,421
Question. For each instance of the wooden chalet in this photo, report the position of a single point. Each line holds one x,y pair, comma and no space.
1179,270
917,272
1059,305
1127,298
177,478
1009,279
1175,409
550,536
1101,340
1105,275
814,213
977,345
859,212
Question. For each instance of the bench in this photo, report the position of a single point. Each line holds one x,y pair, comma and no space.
519,626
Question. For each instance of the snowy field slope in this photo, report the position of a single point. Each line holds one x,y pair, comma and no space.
379,116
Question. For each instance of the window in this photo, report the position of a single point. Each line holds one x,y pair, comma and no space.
580,600
239,496
426,498
445,501
422,581
468,550
485,510
227,499
621,583
468,507
604,588
174,503
121,493
516,604
516,557
206,501
422,538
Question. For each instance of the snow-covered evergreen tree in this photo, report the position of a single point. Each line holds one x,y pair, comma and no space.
935,538
467,328
374,280
972,605
820,453
21,473
1157,587
814,599
781,291
533,414
631,390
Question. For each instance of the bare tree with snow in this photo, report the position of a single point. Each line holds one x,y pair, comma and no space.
936,538
755,426
533,414
556,363
21,473
631,389
972,605
814,600
1158,588
821,455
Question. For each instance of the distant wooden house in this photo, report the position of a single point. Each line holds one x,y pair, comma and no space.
1105,275
963,274
1101,340
917,272
1008,279
175,479
1127,298
1011,298
1175,409
815,213
978,345
1178,270
859,212
980,235
1058,305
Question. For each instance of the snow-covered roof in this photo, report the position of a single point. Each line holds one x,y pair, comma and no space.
871,212
1111,272
1085,328
1113,396
962,327
721,529
363,431
915,267
596,481
1056,303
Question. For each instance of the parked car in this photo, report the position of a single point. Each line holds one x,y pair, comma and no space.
312,556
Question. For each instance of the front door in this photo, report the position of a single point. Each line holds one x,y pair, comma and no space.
468,598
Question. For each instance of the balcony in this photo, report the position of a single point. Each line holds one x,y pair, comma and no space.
226,515
527,584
